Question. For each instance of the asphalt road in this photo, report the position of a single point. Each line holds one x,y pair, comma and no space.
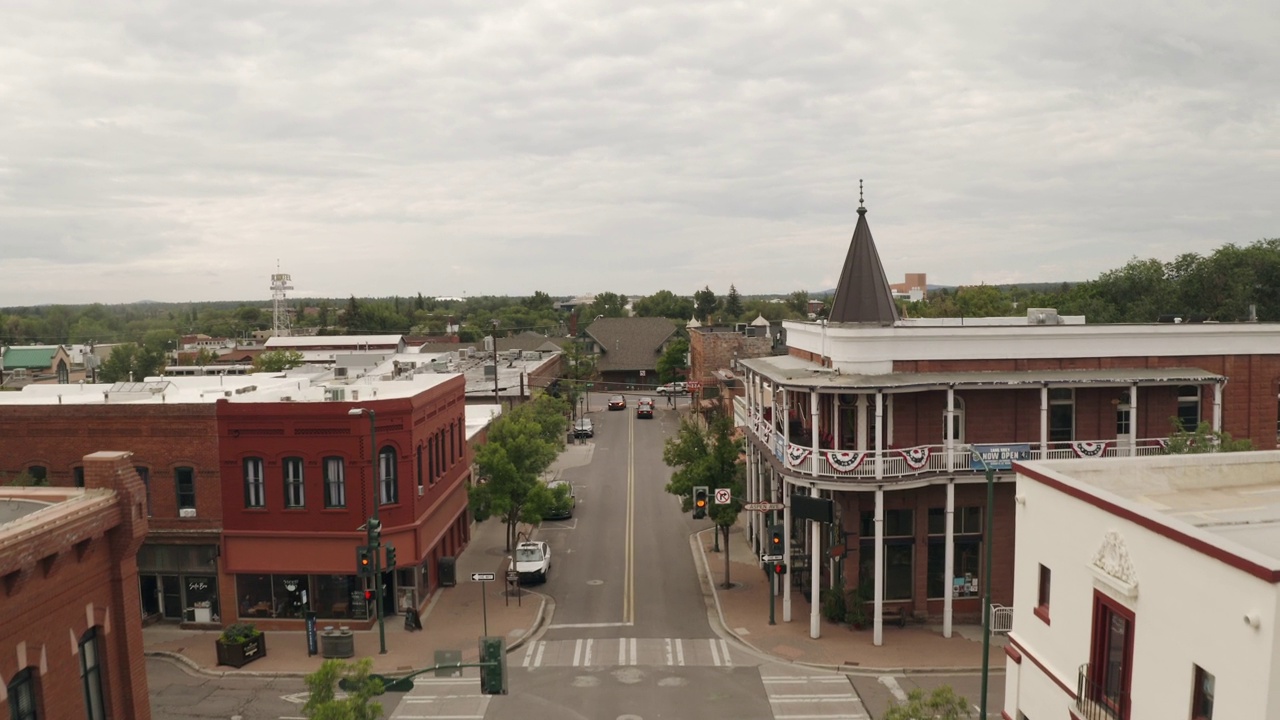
180,695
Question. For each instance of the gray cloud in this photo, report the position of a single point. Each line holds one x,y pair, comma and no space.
449,147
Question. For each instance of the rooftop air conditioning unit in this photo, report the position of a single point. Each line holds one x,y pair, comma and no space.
1042,316
335,394
187,512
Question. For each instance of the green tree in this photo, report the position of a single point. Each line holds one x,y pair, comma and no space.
1203,439
360,688
609,305
522,445
798,301
733,305
674,362
277,360
941,704
707,456
705,303
664,303
130,362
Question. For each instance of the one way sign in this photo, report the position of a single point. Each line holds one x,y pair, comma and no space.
483,577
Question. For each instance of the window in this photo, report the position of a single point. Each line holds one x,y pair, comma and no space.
1189,407
388,487
1062,414
185,478
39,473
335,483
22,696
967,535
957,420
899,553
419,469
255,494
144,474
1041,609
1123,426
431,460
91,676
1202,695
77,475
294,490
1110,669
453,445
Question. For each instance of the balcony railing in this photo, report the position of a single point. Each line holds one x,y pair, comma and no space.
1094,701
931,459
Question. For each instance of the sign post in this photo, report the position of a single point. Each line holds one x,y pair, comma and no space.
482,578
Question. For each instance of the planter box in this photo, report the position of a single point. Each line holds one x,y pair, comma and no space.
240,654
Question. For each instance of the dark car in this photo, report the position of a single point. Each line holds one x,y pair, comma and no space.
565,501
644,408
617,402
584,428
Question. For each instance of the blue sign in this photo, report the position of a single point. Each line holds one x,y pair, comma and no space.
998,457
780,447
311,633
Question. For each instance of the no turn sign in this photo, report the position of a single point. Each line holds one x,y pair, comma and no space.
722,496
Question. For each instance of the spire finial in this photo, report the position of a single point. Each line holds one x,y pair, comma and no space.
859,192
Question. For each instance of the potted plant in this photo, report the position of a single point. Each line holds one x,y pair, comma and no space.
240,644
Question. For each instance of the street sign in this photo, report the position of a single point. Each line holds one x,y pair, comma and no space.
770,558
483,577
763,506
723,496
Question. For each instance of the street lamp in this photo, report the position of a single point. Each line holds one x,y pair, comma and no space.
986,576
374,527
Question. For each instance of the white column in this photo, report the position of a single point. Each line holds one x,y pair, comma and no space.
949,561
815,564
1217,406
862,421
879,435
813,421
1044,421
877,625
888,420
786,549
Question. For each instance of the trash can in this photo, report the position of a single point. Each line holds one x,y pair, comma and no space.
339,643
448,571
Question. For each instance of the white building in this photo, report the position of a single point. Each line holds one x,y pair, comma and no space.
1147,588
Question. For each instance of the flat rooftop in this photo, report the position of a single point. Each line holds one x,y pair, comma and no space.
1234,497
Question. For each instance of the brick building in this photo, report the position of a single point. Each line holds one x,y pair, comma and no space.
713,354
894,421
72,631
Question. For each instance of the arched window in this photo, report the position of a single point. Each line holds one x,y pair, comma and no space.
91,675
23,699
255,491
388,487
294,490
335,483
957,421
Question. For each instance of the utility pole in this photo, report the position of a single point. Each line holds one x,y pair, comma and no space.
496,399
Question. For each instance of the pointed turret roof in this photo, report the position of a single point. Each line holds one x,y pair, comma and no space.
863,294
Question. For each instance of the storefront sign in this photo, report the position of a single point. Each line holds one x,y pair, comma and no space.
311,634
998,457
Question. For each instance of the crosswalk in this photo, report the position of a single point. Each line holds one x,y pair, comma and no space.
599,652
797,693
456,698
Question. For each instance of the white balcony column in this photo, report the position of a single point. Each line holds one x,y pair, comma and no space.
1217,405
949,559
1044,421
888,420
813,420
879,435
786,424
751,493
948,424
862,421
815,563
1133,419
877,624
786,550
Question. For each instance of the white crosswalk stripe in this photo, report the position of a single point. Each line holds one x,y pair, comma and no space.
596,652
451,698
799,695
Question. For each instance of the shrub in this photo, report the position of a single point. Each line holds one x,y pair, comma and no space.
239,632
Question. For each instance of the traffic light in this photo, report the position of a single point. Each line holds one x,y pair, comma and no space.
780,568
374,529
700,502
368,596
391,558
775,540
493,668
364,560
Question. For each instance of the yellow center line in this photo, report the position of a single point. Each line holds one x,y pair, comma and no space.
628,581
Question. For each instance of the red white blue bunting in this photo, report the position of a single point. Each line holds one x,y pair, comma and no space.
845,460
916,457
1089,449
796,454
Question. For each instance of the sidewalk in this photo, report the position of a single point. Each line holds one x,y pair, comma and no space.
456,616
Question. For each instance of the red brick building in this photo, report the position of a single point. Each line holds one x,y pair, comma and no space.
72,631
894,420
298,486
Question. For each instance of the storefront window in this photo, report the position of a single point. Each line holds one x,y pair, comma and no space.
339,596
254,593
290,593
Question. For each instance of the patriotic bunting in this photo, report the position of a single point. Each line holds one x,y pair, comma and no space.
845,460
1089,449
796,454
916,457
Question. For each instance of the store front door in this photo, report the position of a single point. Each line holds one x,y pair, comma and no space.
171,597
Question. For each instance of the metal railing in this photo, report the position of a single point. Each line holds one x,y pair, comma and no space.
1094,701
1001,619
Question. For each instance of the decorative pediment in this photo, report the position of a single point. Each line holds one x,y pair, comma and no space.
1112,566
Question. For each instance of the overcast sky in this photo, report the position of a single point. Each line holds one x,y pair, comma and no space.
176,151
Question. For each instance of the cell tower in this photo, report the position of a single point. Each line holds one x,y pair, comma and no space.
279,314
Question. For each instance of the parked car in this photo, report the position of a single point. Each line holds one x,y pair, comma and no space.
565,501
533,561
644,408
617,402
584,428
675,388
